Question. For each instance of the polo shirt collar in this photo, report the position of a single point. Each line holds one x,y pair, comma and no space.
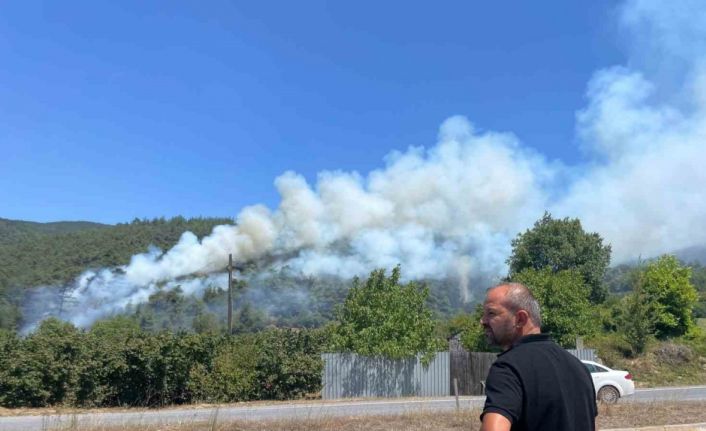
531,338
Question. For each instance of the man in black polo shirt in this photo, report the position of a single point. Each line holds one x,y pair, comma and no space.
534,384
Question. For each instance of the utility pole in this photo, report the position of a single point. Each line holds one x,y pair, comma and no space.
65,299
230,294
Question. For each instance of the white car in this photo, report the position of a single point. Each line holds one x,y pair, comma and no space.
610,384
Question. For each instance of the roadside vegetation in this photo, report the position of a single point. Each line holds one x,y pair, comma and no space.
672,362
174,349
117,364
647,318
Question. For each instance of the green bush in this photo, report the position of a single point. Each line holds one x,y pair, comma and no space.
118,364
696,340
230,376
44,368
611,348
158,368
289,364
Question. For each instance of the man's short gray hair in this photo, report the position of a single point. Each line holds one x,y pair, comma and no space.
519,297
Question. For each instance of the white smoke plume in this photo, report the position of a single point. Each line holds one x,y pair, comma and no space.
427,210
452,210
449,211
645,130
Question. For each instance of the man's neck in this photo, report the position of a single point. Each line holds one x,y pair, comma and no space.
522,332
531,331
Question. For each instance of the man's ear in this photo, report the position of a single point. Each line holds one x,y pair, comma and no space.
522,318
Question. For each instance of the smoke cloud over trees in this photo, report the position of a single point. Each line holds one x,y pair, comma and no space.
450,211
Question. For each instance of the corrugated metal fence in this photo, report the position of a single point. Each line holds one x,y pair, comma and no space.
584,354
347,375
470,369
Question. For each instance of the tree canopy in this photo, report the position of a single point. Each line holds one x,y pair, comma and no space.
561,245
670,295
40,255
383,317
563,297
636,323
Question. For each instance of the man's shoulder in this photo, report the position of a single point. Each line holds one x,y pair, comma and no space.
529,346
540,351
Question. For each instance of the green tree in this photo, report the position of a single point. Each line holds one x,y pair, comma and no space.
9,312
471,331
207,323
563,297
698,279
249,319
636,323
670,295
383,317
562,245
619,279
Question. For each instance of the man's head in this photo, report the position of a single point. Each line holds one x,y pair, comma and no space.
509,313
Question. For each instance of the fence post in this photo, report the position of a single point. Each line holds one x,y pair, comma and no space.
458,407
579,343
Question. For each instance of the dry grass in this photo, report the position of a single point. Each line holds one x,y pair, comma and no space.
60,410
424,421
616,416
648,371
623,415
664,363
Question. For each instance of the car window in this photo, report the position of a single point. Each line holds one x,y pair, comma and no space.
591,368
600,369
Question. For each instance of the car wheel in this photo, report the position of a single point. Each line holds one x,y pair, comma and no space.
608,395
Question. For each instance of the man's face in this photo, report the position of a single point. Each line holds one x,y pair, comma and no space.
498,322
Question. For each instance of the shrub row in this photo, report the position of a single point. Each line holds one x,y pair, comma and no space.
117,364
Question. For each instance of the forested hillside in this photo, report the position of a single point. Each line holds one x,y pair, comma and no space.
643,317
37,254
33,254
13,230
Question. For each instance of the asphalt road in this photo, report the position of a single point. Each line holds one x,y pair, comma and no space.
681,393
283,411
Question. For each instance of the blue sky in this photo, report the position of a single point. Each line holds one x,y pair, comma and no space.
110,111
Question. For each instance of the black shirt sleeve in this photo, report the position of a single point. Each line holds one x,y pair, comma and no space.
503,392
594,404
